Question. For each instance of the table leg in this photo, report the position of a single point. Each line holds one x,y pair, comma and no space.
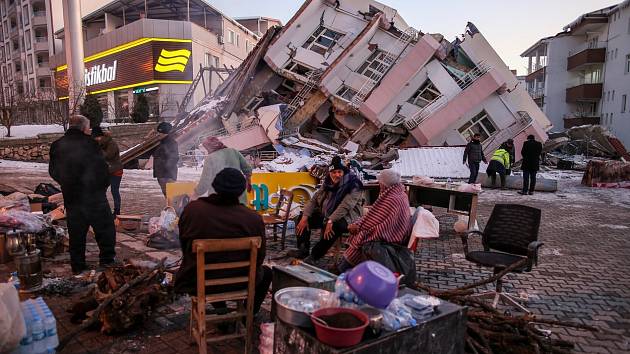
472,213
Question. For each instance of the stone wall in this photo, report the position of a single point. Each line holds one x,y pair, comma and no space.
37,149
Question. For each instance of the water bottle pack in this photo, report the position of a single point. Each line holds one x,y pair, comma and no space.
41,329
15,280
397,316
347,296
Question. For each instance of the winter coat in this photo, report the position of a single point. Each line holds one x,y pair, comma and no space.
531,155
217,217
165,158
215,163
350,208
474,152
111,153
502,156
78,165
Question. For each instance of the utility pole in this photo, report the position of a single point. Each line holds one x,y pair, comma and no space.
73,34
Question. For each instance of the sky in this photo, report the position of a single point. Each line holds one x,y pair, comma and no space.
511,26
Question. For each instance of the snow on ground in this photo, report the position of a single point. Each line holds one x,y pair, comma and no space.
31,131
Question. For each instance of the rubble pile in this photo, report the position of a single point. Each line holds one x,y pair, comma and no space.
354,77
129,309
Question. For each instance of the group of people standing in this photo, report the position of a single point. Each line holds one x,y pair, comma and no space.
502,160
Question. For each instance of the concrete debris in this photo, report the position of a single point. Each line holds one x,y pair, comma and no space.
608,174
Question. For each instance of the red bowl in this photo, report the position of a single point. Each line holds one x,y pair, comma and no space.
339,337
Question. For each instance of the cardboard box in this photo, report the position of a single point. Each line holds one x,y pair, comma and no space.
128,223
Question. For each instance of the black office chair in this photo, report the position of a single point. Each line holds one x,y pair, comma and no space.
510,236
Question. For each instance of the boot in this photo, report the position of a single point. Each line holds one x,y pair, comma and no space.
304,248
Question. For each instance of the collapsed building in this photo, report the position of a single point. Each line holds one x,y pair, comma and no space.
352,74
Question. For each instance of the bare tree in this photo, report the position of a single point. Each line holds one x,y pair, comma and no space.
9,109
168,103
61,108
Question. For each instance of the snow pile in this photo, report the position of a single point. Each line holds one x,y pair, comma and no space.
292,162
29,131
205,107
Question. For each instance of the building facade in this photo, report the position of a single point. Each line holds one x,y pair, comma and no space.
26,43
582,74
356,72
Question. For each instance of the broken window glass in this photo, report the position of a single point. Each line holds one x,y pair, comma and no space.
322,40
480,124
426,94
297,68
376,65
346,93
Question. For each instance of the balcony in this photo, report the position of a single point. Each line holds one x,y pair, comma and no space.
43,69
575,120
537,93
585,92
588,53
40,46
15,54
538,73
39,18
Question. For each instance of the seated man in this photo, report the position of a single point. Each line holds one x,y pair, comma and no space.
221,216
388,220
336,204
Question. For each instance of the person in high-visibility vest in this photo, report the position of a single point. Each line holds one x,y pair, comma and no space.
499,162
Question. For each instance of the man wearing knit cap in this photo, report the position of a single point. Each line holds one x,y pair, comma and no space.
221,216
335,205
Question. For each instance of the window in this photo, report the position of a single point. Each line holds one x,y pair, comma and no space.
253,103
29,63
346,93
231,37
297,68
27,39
624,99
31,85
217,63
616,52
610,121
25,15
426,94
627,68
238,37
629,26
480,124
248,46
376,65
322,40
208,60
613,96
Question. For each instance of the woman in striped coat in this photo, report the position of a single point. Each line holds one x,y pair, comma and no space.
388,220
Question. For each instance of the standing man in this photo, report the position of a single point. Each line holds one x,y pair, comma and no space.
77,164
165,157
474,154
531,163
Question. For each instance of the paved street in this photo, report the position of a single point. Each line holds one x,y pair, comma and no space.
583,274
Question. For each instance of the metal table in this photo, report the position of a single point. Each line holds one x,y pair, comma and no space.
456,202
441,334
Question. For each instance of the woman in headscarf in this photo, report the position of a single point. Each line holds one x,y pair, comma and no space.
219,158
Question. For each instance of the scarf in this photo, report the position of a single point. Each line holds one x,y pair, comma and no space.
337,192
212,144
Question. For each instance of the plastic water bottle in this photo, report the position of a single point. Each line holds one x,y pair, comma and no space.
38,332
50,325
15,280
26,344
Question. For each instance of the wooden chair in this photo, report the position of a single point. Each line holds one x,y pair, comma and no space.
280,215
198,317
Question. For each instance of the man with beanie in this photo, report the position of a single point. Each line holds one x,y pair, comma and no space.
474,154
77,164
335,205
165,157
530,164
221,216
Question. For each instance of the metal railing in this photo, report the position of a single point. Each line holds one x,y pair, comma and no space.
537,93
584,81
231,130
41,39
425,112
536,67
39,13
475,73
523,120
588,45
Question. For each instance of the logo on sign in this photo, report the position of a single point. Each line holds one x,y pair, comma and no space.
172,60
100,74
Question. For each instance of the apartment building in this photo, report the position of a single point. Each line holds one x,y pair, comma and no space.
25,46
354,72
582,74
258,24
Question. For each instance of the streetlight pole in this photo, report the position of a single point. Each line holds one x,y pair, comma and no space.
73,34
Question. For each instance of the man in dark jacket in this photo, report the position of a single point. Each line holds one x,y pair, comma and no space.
474,154
77,164
221,216
530,164
165,158
336,204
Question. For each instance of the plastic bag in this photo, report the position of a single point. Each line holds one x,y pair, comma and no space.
154,225
25,221
168,219
12,327
397,316
422,180
15,201
461,225
347,297
426,226
471,188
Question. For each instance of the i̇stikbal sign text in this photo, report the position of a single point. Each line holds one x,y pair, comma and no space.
100,74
